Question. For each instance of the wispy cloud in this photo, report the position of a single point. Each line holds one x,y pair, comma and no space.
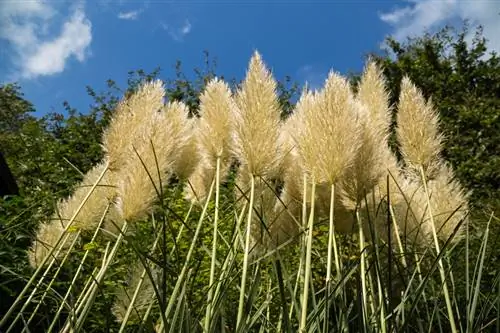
314,77
418,16
130,15
33,51
177,33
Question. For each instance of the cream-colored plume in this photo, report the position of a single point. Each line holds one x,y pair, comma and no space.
328,138
189,156
448,203
374,158
148,167
257,122
87,217
214,139
405,200
46,238
128,118
91,213
285,217
286,220
216,109
417,131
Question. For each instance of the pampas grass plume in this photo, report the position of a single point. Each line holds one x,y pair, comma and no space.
328,138
149,167
257,121
127,120
417,130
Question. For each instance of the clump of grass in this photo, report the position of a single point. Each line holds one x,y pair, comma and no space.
318,227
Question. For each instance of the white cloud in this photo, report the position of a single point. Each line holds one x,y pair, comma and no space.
131,15
418,16
186,28
177,33
34,51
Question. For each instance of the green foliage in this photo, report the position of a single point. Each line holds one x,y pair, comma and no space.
463,80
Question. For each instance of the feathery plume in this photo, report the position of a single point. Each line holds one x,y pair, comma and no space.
189,157
216,110
214,140
198,184
46,238
257,121
417,131
405,199
129,117
374,158
288,208
372,92
287,220
91,213
149,166
448,203
328,139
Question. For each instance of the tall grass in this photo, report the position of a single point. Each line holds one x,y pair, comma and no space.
241,222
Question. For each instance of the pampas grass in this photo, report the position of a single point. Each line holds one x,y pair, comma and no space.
85,217
149,167
257,122
418,134
326,170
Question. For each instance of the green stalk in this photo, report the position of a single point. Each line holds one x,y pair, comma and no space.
137,289
42,279
208,313
479,270
300,271
331,236
225,270
182,275
57,246
398,236
363,269
440,262
49,286
98,280
303,317
245,255
77,274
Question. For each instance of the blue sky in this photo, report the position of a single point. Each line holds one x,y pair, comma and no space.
56,48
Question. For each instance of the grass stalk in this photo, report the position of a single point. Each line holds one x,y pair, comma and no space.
241,302
451,317
138,288
364,291
307,268
49,286
57,246
77,274
97,281
185,268
208,314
